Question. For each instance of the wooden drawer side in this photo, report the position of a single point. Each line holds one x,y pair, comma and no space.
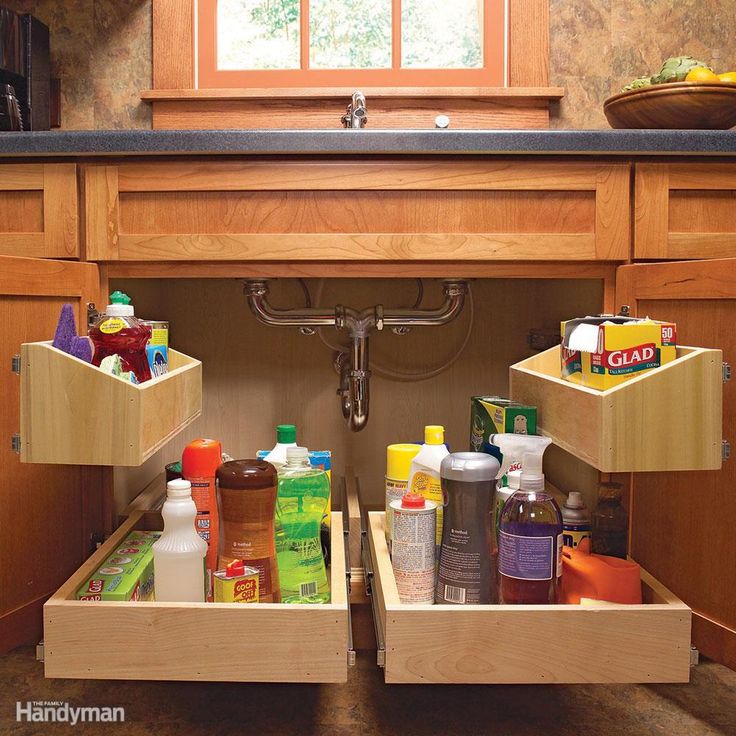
196,641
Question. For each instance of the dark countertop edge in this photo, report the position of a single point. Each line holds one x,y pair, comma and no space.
368,142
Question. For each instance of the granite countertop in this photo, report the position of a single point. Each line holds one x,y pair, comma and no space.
295,142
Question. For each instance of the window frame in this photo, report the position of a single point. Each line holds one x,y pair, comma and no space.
493,73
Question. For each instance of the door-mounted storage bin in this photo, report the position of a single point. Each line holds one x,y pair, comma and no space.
230,642
669,418
74,413
497,644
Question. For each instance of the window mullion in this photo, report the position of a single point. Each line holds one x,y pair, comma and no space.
396,34
304,33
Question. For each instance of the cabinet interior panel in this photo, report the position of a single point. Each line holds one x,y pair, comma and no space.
21,212
702,211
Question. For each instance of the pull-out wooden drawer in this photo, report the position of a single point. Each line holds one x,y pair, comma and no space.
264,642
685,210
39,210
445,644
376,210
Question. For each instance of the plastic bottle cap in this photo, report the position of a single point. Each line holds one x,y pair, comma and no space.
575,500
296,454
178,488
234,569
285,434
201,458
514,478
413,501
398,460
119,297
434,434
469,467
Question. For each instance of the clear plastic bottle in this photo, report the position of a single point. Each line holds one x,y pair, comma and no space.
610,523
119,332
179,554
302,498
530,540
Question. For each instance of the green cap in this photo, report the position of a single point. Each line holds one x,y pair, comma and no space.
118,297
285,434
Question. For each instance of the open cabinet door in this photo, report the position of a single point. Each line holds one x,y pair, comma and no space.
682,524
50,515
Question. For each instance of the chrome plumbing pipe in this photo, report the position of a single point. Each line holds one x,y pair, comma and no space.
353,365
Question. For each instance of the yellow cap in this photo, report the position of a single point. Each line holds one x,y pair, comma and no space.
434,434
398,460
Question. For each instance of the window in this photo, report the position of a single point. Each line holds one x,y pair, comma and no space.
318,43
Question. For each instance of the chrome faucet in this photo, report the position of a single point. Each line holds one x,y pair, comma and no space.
357,113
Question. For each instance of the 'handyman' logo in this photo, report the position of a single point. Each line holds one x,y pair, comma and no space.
57,712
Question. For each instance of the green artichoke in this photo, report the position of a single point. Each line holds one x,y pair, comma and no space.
638,84
676,69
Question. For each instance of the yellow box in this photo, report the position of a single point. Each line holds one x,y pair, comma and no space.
241,588
602,352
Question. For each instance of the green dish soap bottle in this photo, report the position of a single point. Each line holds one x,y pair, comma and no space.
302,498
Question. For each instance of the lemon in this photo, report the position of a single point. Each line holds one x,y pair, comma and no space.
729,77
701,74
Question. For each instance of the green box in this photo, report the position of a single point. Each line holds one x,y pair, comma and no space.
495,415
127,574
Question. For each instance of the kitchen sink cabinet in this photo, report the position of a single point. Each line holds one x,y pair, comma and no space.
39,210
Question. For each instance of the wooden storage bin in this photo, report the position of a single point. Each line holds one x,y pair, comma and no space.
72,413
669,418
231,642
549,644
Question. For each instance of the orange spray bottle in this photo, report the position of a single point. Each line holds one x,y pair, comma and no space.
199,463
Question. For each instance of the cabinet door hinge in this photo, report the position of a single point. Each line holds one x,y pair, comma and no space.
15,443
726,372
40,653
725,450
694,656
15,364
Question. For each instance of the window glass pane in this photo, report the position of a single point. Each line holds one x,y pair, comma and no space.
439,34
350,34
258,34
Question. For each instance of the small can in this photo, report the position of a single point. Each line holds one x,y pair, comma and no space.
236,584
398,464
159,331
413,549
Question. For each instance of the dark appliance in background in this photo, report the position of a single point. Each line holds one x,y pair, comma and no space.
25,67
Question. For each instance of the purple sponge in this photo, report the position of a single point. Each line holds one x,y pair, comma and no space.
81,348
66,329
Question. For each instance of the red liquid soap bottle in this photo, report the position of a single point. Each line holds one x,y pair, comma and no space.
119,332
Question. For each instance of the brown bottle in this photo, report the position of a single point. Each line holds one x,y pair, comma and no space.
246,500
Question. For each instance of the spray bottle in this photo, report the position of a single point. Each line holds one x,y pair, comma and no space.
513,447
530,538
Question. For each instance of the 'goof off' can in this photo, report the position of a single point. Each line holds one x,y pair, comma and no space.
413,549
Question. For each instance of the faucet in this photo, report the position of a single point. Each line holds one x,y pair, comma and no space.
353,364
357,113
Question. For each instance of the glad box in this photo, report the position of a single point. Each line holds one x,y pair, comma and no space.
602,352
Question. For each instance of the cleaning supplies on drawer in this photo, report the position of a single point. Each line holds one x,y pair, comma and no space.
605,351
587,576
303,494
465,573
127,575
398,465
246,500
118,332
424,473
530,539
179,555
413,548
576,520
199,463
610,530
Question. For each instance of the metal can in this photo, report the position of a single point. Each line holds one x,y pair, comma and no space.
413,548
159,331
398,464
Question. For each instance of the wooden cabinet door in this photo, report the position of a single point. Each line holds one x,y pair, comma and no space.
682,524
685,210
39,210
50,515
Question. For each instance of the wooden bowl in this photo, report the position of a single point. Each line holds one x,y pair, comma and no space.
689,105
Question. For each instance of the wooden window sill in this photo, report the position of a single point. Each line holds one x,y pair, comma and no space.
483,93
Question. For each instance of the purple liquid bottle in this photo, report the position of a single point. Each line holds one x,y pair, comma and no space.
530,541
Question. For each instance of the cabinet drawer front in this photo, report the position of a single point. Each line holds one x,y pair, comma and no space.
367,211
685,211
445,644
228,642
39,210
